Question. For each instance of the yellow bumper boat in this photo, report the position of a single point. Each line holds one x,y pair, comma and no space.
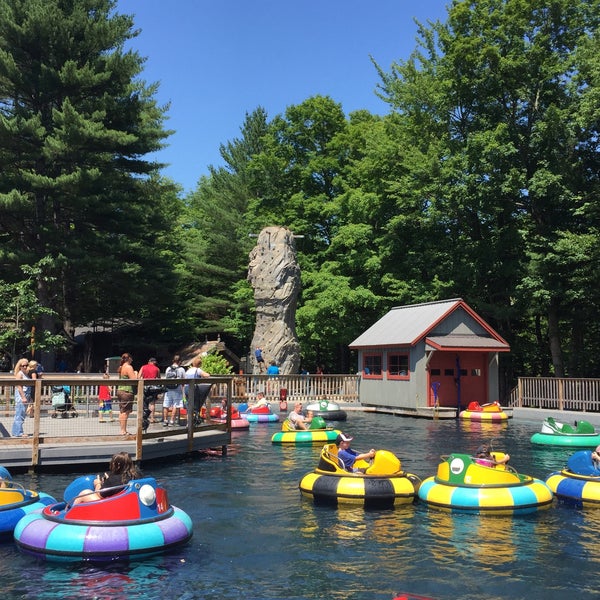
383,484
463,485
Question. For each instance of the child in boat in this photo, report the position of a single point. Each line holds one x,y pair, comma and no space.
121,471
349,456
487,459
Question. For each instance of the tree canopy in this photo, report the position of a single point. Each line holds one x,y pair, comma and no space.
480,182
76,122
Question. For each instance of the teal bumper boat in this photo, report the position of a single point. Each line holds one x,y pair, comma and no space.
579,435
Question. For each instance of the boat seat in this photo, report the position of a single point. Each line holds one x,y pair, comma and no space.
581,463
585,427
287,426
329,460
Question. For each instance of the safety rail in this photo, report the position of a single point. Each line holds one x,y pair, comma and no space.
335,388
84,388
557,393
84,423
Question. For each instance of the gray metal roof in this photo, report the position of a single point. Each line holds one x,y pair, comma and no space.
467,342
405,325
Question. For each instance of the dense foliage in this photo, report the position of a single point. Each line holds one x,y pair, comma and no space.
481,182
77,197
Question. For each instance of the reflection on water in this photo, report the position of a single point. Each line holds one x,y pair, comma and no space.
461,537
256,537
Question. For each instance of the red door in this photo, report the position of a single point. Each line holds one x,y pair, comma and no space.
467,370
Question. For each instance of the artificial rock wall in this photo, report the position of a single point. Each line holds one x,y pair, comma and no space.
274,274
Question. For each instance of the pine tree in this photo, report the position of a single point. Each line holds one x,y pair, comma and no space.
76,122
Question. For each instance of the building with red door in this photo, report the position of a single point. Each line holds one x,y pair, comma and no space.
436,354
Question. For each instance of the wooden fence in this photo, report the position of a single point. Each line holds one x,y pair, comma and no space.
557,393
84,389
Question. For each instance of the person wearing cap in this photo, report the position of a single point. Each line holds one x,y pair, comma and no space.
487,459
349,456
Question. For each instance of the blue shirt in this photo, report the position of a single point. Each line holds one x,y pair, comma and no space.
273,370
348,457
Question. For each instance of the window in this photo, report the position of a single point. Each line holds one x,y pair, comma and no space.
372,365
398,366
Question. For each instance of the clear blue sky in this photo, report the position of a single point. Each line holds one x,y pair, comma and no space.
216,60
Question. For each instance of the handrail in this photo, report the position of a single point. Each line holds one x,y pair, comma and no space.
85,432
557,393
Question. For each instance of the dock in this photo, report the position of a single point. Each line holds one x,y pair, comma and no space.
70,443
77,439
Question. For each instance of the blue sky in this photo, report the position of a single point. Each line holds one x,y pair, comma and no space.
216,60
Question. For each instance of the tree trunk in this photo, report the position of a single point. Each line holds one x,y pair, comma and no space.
554,339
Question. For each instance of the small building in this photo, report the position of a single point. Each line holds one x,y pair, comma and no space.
426,355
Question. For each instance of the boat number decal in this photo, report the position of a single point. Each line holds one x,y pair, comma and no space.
457,465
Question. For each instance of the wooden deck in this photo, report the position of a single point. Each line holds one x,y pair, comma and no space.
59,446
83,441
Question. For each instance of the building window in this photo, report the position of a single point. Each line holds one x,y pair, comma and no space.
398,366
372,365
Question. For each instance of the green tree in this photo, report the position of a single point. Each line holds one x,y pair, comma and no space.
19,311
495,99
216,240
75,189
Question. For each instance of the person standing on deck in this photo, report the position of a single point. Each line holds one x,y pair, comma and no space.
20,399
105,402
125,393
173,398
150,371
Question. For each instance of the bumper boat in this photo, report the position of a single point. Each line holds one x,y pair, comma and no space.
260,414
579,435
382,485
330,411
318,433
135,522
220,416
16,502
491,413
579,482
463,485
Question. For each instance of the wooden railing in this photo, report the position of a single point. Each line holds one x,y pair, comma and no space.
84,399
84,388
336,388
557,393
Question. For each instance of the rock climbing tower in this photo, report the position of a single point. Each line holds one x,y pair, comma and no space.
274,274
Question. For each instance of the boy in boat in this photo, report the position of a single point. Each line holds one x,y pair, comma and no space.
349,456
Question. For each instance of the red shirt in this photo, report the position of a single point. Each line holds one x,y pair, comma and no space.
149,371
104,392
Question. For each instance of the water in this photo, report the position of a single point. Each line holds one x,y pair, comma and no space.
255,537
